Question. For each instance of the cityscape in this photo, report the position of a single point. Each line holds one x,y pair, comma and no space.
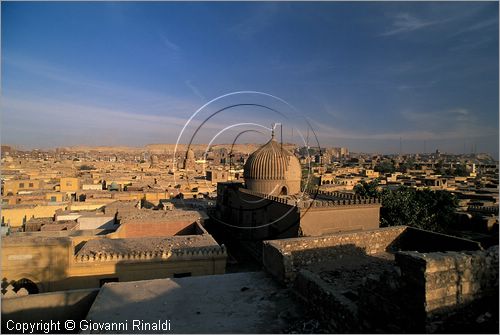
250,167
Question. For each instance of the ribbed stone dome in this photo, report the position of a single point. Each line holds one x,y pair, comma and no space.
273,170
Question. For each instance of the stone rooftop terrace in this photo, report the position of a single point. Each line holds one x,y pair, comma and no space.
232,303
137,215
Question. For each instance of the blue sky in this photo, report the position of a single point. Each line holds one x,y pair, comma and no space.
362,74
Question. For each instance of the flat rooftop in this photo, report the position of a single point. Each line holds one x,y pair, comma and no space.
137,215
248,302
34,240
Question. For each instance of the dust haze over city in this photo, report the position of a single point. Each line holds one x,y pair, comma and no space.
250,167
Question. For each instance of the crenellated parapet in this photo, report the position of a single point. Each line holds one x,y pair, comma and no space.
339,203
339,198
199,253
161,255
322,199
483,209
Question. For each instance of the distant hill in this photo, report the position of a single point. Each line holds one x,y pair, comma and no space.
245,148
160,148
101,148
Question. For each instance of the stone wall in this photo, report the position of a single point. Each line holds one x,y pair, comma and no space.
421,292
96,222
337,313
277,217
451,278
51,263
46,307
268,217
283,258
15,216
316,221
42,260
154,228
408,293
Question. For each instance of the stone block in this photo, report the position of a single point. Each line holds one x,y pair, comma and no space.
466,274
442,302
440,279
439,263
469,288
442,292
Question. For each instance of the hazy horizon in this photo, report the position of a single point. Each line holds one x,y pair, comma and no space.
78,146
361,75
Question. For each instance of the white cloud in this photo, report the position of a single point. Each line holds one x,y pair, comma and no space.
437,15
450,117
195,90
169,44
404,22
493,22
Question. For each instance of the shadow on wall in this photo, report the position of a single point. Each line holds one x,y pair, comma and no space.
36,275
414,239
36,269
47,307
353,292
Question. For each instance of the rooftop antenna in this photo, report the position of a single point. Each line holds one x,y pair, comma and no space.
281,135
307,139
400,145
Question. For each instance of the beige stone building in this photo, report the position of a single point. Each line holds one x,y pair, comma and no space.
13,187
215,176
165,244
69,184
16,215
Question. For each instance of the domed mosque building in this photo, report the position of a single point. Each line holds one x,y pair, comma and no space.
273,170
271,205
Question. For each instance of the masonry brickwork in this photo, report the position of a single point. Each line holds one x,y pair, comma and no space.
381,280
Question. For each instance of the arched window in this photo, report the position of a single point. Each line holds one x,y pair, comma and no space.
284,191
27,284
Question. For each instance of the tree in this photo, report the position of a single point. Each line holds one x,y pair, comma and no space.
385,167
365,189
409,164
425,209
439,168
460,171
